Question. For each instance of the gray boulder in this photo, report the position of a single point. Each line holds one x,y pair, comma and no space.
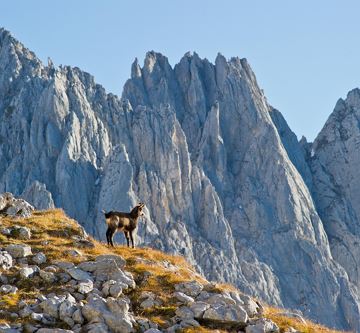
192,288
8,289
262,325
229,314
84,287
183,298
49,277
11,206
78,274
51,305
39,258
18,250
113,311
6,261
28,271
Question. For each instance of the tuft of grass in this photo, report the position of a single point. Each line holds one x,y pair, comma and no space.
9,301
285,322
161,311
200,330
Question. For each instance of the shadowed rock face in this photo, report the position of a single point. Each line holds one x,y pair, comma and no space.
223,178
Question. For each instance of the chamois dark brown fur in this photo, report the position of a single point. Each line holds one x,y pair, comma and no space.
126,222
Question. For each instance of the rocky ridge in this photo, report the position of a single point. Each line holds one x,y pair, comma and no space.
89,289
202,147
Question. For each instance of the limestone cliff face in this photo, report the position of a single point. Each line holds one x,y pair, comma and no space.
276,231
224,180
334,162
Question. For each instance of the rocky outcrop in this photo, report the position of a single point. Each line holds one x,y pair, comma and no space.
99,296
223,178
10,206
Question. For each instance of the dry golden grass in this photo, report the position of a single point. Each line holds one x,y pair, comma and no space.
285,322
153,270
200,330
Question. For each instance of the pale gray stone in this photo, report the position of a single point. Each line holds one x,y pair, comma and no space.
37,316
67,309
182,297
113,311
18,250
192,288
6,261
6,231
28,271
226,314
11,206
198,308
84,287
118,259
8,289
51,305
113,288
64,264
184,312
108,269
219,299
47,276
88,266
39,258
78,274
262,325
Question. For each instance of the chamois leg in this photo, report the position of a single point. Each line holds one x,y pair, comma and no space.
132,238
108,236
127,238
111,236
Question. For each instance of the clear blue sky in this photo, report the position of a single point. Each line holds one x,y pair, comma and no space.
305,53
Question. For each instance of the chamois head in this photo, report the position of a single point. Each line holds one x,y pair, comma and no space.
137,211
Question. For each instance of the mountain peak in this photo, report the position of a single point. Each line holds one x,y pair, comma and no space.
155,59
353,98
6,38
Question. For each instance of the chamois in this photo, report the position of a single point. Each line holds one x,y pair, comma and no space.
126,222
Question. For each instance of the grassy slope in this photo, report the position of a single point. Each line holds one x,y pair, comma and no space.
153,270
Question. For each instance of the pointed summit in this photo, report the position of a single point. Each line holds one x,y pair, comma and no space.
5,37
135,69
353,98
155,59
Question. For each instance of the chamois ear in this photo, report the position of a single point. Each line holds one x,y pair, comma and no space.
140,204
